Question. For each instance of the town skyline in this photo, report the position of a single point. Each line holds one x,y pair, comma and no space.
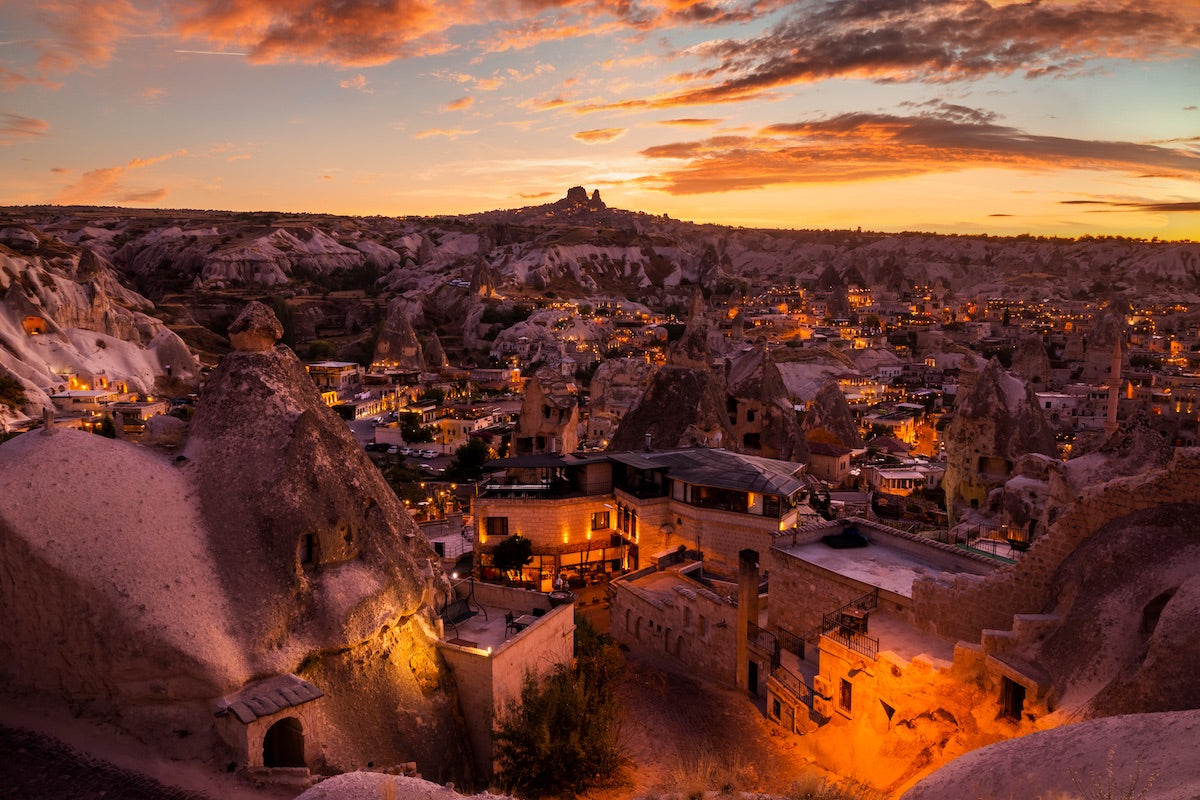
1063,119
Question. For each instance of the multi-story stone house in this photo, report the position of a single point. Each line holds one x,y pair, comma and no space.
594,514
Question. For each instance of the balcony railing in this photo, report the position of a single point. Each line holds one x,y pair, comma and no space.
858,642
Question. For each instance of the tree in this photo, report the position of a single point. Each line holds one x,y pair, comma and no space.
468,461
512,554
562,736
412,431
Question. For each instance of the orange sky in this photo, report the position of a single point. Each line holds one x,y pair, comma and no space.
1060,118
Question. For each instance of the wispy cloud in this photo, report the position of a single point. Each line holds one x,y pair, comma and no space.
153,94
16,128
461,104
865,146
85,33
105,185
357,83
449,133
599,135
692,122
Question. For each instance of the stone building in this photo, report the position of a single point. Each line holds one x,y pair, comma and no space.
549,421
592,514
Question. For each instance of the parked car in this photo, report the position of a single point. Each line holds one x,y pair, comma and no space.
392,449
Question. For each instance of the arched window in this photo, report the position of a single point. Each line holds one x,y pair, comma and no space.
283,746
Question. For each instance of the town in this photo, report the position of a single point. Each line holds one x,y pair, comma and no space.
861,506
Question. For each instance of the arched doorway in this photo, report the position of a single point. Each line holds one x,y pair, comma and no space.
283,746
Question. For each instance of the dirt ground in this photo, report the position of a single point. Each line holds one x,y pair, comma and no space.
685,735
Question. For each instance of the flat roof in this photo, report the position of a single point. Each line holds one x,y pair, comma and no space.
888,568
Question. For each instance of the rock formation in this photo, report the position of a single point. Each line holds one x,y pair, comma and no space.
683,407
1108,331
154,589
828,418
435,356
616,387
1031,362
397,345
761,413
995,422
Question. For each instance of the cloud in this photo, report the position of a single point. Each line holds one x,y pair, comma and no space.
461,104
932,41
1170,206
60,170
103,185
358,83
449,133
86,33
151,196
599,135
692,122
16,128
153,93
866,146
368,32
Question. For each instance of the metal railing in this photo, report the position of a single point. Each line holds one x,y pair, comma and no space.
858,642
790,642
794,684
834,625
765,641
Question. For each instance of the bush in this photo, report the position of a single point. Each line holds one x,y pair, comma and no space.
561,737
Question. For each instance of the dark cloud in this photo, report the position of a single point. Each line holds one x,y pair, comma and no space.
861,146
935,41
1137,205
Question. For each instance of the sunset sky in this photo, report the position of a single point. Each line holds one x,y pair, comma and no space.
957,116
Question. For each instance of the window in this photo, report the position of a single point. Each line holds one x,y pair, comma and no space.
600,521
845,695
776,709
497,526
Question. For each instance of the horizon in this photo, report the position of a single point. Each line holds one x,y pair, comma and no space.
953,117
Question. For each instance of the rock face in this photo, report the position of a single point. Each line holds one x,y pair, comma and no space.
828,418
398,345
1031,362
1139,575
683,407
1107,333
271,546
1146,756
996,422
761,414
63,313
616,387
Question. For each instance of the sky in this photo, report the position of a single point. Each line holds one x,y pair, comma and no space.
956,116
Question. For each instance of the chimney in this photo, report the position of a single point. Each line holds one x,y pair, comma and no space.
649,439
747,614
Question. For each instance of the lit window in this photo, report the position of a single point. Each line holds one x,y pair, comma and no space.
600,521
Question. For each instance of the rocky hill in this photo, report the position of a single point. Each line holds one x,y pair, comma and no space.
134,274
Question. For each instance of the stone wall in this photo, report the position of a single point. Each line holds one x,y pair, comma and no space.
486,680
690,630
963,606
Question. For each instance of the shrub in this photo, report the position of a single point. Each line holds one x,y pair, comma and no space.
561,736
